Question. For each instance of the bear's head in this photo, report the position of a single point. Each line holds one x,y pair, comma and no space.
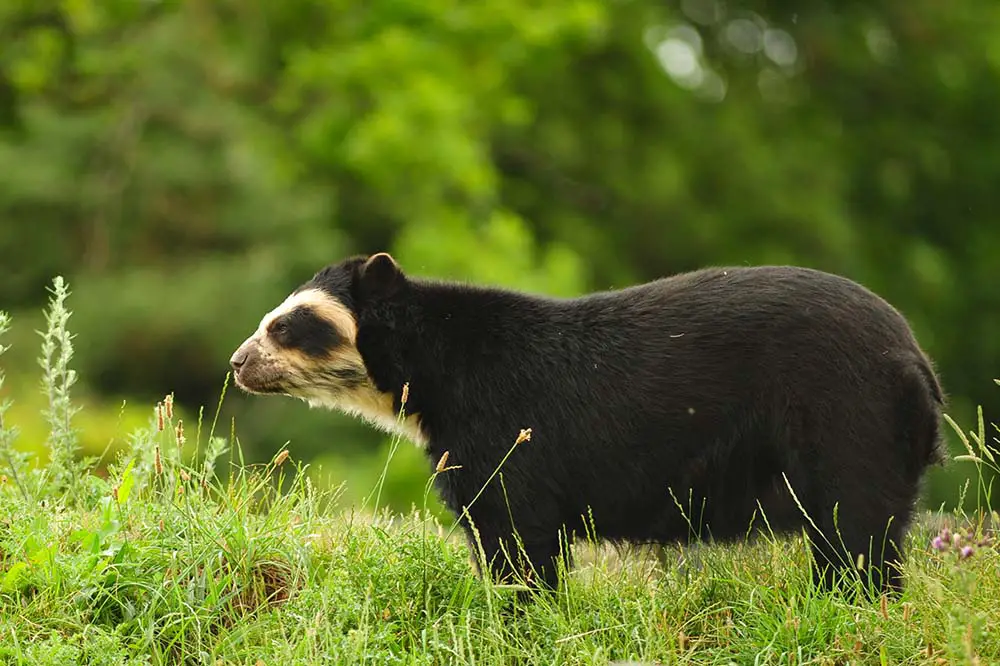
308,346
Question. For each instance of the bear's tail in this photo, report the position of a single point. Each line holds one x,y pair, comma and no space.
922,406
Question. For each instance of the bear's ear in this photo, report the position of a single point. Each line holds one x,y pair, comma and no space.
380,276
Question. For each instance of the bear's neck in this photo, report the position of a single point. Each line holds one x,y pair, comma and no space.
478,315
473,333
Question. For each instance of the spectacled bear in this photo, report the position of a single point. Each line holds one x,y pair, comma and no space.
726,389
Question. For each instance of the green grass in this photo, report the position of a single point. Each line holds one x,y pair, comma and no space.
182,554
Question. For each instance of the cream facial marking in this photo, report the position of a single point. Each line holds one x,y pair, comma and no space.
321,304
332,377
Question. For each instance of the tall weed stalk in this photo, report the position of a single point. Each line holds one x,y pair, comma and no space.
57,379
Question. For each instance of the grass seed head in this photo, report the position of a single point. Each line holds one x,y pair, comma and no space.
441,463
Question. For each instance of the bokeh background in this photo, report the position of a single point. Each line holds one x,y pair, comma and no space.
185,164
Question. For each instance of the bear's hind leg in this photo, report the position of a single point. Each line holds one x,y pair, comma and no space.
864,542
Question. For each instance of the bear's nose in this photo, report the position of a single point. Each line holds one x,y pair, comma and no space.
238,359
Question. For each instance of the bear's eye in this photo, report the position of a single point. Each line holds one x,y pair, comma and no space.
304,330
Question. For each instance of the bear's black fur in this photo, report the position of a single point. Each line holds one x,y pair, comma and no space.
709,388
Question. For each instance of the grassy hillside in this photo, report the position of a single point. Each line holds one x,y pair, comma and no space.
181,554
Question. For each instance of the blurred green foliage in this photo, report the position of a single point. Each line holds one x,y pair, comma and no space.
185,164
